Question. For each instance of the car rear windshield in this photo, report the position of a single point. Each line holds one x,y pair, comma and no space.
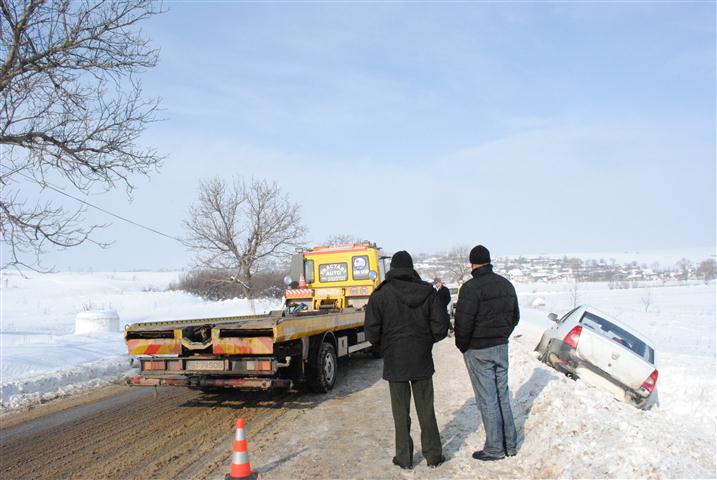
619,335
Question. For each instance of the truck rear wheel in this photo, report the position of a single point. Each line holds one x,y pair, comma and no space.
323,369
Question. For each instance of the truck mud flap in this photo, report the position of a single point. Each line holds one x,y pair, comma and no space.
238,383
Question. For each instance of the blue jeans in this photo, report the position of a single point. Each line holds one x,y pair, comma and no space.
488,371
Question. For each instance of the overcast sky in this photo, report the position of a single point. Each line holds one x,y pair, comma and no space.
526,127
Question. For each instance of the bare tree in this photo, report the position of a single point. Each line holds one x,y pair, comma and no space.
242,227
458,263
684,266
72,112
707,269
647,299
341,239
574,292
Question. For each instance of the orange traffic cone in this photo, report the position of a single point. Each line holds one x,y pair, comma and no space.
240,468
302,281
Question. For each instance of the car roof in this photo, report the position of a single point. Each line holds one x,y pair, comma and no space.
619,323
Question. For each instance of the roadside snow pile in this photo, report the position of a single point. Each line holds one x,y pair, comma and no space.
570,429
537,302
67,381
48,349
96,321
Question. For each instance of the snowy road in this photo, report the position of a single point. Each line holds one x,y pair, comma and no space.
566,430
123,432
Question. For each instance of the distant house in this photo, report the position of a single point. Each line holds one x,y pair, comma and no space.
515,274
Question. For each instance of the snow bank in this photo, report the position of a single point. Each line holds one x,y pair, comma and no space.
48,349
96,321
62,382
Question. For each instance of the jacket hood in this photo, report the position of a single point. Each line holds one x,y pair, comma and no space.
408,286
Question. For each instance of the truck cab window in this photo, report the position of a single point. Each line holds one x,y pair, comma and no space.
333,272
309,271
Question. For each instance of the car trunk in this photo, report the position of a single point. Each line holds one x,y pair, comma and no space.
614,351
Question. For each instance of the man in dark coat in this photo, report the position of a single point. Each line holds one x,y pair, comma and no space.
404,318
444,297
486,315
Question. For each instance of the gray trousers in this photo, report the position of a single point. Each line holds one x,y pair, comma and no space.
401,407
488,371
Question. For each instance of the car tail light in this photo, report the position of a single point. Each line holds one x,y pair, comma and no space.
573,336
651,381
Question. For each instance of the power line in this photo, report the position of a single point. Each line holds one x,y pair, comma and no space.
58,190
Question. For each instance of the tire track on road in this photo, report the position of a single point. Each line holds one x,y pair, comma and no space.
182,433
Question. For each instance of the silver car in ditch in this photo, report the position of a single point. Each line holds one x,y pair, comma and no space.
599,349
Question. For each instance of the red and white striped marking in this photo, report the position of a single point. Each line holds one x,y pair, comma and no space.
299,293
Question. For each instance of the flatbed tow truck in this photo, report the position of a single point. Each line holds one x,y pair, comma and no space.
322,319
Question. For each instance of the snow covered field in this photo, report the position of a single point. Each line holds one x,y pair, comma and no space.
41,357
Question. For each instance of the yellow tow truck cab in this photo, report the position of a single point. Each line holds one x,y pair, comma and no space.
334,277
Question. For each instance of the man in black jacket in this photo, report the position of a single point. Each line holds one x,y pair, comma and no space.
403,320
486,315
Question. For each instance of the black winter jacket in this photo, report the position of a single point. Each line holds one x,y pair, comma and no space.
444,295
403,320
487,310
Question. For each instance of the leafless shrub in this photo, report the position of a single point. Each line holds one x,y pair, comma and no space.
342,239
217,285
458,262
243,228
90,306
72,111
647,299
574,292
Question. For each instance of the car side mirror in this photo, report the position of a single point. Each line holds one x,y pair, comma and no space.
553,317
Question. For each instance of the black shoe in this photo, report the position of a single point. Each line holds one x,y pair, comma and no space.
479,455
438,463
511,454
399,464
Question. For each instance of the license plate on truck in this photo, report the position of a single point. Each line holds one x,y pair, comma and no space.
204,365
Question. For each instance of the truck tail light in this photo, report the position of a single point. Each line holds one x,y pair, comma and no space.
153,365
573,336
259,365
651,381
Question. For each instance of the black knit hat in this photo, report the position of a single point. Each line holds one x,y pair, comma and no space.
401,259
479,255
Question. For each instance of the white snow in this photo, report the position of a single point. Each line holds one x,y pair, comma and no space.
537,302
91,321
41,354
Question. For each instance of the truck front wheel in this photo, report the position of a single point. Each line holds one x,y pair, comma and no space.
323,369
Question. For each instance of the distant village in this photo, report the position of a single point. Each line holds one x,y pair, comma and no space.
550,269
